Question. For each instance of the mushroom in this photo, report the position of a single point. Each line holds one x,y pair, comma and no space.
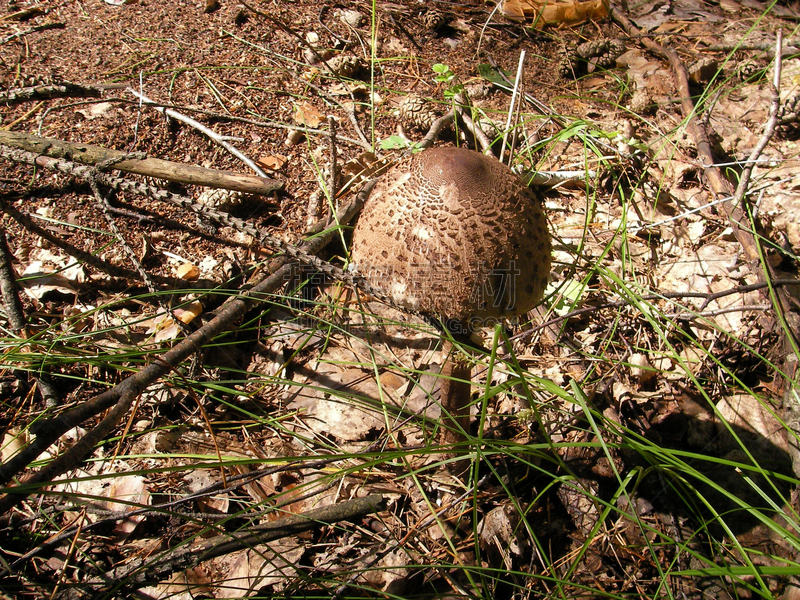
455,235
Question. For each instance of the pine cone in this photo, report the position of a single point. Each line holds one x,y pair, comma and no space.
568,69
222,200
416,112
345,65
435,19
750,73
604,49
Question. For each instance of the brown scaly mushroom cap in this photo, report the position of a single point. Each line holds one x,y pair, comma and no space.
453,233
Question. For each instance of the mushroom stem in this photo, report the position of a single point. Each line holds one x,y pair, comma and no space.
454,398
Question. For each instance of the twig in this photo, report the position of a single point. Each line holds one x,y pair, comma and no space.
461,103
542,108
707,298
104,205
436,129
719,184
217,217
350,112
138,572
735,211
417,527
120,398
512,108
217,116
769,127
553,179
333,168
45,92
8,288
20,34
16,318
203,129
344,43
151,167
791,47
24,14
684,316
86,257
235,482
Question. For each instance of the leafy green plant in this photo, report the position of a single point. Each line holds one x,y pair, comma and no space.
446,76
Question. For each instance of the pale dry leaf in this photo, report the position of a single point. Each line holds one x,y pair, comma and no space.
349,88
162,325
640,367
307,114
38,279
500,534
127,493
95,111
199,479
391,572
341,399
208,264
14,440
249,570
186,585
745,411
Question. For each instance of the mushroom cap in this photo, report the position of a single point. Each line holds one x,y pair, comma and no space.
453,233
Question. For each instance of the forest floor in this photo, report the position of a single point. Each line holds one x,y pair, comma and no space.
634,436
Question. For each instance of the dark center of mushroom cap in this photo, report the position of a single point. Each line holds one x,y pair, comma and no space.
455,234
464,168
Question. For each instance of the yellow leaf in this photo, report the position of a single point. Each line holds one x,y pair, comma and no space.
555,12
188,313
187,271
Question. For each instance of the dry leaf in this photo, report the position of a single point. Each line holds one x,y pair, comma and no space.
39,279
13,441
187,314
187,272
162,325
553,13
272,162
307,114
248,570
132,493
748,413
95,110
346,88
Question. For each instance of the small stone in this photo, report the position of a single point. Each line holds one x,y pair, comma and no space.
352,18
294,137
641,369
